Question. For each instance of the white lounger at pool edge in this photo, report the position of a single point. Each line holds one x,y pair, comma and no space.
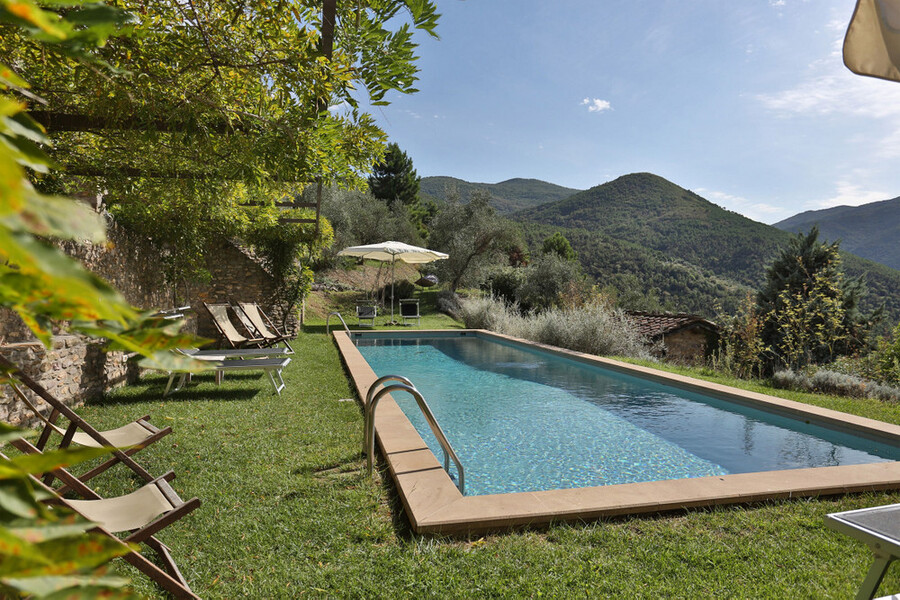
272,367
233,353
879,528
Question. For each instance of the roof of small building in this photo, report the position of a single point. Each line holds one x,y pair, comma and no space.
655,325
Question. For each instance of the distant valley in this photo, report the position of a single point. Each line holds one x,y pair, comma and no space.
660,244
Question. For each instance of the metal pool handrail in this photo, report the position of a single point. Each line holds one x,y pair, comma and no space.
328,323
372,402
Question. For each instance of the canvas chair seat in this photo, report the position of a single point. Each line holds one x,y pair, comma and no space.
227,330
143,513
132,434
132,437
126,513
262,324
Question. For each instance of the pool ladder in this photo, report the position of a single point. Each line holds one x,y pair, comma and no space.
328,323
405,385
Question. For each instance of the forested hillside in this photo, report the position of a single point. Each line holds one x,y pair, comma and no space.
644,232
508,196
871,230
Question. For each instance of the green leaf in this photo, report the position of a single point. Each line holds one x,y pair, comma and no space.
54,459
8,77
16,498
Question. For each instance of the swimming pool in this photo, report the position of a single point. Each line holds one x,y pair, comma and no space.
525,420
616,439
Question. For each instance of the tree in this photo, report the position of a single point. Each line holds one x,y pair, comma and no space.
549,281
810,312
559,245
204,94
394,179
474,237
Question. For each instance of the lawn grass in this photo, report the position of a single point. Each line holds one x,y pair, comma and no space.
288,512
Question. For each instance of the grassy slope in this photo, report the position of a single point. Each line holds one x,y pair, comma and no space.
288,512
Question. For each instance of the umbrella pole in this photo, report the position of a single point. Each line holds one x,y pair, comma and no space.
393,260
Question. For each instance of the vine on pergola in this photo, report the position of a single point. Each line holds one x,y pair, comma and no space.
220,102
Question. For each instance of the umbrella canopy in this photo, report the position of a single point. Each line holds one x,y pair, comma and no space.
872,43
392,252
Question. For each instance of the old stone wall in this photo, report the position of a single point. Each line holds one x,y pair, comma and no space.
75,367
688,346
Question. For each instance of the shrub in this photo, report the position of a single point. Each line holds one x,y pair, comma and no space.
548,280
595,328
504,283
840,384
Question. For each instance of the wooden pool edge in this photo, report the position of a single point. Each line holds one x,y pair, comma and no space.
434,505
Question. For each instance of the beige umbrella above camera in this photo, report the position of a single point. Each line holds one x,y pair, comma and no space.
872,43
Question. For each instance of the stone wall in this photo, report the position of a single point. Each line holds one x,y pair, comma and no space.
76,368
689,346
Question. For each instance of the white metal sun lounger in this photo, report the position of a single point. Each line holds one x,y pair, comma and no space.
233,353
271,366
879,528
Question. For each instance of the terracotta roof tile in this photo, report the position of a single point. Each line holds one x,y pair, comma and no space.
654,325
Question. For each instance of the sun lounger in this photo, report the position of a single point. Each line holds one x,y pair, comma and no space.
142,513
227,331
365,315
263,325
271,366
409,311
879,528
135,435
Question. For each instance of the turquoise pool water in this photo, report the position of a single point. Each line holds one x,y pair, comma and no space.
521,419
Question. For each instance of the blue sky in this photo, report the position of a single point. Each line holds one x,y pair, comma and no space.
746,103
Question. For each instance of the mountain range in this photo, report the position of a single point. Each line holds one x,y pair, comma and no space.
660,246
871,230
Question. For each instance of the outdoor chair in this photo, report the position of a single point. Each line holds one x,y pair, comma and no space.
142,513
227,331
409,311
263,325
133,437
365,315
879,528
271,366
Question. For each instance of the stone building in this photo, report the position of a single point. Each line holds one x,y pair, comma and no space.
685,338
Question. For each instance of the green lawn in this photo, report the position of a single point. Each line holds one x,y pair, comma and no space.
288,512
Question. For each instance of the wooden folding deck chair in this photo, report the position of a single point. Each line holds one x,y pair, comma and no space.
227,330
132,437
263,324
142,513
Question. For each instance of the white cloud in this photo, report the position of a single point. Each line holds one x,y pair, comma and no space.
852,194
596,104
758,211
778,3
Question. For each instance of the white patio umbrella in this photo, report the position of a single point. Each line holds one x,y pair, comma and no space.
392,252
872,43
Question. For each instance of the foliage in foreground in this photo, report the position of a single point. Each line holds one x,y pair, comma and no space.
594,328
49,553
